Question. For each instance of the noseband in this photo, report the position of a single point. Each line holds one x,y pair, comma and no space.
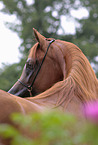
29,88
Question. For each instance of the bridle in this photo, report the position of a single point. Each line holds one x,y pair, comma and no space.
29,88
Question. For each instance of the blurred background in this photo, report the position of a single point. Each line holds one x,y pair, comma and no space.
70,20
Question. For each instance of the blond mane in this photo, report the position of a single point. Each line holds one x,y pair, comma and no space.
80,80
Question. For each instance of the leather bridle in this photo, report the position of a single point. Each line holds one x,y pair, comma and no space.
29,88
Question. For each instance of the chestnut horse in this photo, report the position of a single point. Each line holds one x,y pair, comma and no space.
57,74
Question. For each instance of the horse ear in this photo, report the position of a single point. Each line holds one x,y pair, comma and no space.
40,38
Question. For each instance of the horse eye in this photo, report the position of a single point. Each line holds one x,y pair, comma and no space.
29,66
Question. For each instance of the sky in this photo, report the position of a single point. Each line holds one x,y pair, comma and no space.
10,42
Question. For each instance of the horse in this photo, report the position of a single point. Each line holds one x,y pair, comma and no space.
64,79
57,75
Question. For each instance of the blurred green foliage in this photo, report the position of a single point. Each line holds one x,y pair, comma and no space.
45,129
50,128
45,16
9,74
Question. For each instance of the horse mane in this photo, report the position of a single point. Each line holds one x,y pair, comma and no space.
80,81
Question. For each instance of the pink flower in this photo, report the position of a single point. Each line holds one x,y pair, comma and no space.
91,111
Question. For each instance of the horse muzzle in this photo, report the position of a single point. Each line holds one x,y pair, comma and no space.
19,90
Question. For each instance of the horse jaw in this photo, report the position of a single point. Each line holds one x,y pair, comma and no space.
40,38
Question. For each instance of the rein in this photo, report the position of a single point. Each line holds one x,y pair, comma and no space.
30,87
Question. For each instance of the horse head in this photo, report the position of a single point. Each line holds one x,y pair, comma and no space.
41,70
57,66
